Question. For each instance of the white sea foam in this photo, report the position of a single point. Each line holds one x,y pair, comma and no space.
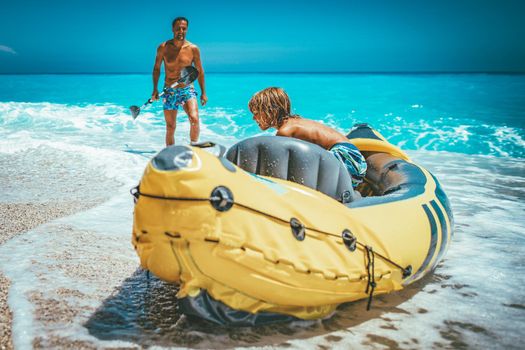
461,132
506,135
110,126
113,164
107,126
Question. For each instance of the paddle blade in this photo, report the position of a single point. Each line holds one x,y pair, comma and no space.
188,75
135,111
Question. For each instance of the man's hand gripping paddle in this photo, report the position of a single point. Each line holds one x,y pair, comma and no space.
187,76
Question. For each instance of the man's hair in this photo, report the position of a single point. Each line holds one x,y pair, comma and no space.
180,19
274,103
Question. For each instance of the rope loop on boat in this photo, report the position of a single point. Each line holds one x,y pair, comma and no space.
349,240
370,267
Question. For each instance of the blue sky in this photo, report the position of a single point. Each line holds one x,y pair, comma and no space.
80,36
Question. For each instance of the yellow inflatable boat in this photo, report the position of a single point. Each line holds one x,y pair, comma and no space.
274,230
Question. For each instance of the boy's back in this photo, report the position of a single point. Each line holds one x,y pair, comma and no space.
271,109
311,131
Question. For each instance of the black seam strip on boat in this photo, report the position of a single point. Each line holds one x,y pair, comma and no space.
432,246
443,199
444,231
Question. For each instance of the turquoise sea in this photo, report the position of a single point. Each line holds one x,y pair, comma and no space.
470,114
468,129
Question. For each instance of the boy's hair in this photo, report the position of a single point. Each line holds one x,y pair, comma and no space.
180,19
274,103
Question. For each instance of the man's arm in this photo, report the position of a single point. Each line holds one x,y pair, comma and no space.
156,72
198,65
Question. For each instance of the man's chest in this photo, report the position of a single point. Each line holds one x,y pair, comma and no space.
174,56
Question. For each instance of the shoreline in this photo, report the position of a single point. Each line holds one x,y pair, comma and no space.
16,219
31,200
42,184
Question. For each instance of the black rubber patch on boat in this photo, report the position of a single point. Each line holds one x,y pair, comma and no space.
362,131
297,229
346,197
221,198
349,240
432,246
442,197
173,158
407,271
205,307
444,231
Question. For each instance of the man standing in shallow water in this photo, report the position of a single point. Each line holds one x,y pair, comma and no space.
176,54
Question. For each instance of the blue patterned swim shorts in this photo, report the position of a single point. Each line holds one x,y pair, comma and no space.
353,160
174,98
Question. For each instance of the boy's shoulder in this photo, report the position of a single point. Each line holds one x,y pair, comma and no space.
291,125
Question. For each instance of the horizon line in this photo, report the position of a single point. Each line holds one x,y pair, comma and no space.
288,72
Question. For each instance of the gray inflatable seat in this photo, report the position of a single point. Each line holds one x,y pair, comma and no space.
294,160
388,174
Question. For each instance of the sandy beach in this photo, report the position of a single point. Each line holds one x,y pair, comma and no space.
5,316
18,218
59,193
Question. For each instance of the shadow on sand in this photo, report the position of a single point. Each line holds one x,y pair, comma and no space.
145,311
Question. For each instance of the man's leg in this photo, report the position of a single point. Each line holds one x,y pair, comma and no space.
192,110
171,122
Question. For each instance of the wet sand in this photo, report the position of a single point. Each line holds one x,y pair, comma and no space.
5,315
16,218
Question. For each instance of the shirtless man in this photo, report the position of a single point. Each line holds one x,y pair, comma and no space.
176,54
271,109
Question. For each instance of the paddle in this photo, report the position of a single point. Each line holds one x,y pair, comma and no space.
187,76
